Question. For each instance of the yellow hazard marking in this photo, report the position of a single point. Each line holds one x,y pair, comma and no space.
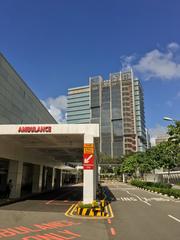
111,211
75,212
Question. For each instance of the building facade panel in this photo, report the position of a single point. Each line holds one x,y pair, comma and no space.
18,104
78,105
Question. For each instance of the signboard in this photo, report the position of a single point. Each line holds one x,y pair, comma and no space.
88,161
34,129
88,148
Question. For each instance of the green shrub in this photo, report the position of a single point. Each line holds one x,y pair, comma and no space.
142,184
157,187
90,205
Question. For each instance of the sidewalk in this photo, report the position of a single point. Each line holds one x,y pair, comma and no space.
8,201
26,196
176,187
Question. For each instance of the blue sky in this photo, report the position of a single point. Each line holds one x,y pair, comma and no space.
57,44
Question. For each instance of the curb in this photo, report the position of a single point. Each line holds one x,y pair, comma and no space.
91,212
11,201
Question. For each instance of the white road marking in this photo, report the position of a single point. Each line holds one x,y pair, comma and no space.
125,199
128,192
131,199
163,196
142,200
176,219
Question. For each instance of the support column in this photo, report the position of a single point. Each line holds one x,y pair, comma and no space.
49,179
37,178
124,178
89,184
15,174
53,177
57,179
61,173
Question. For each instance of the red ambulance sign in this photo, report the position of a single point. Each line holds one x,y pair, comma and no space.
88,161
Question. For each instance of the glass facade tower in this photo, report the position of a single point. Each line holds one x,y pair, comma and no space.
78,105
117,105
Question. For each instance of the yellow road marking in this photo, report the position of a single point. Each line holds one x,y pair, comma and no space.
70,213
69,209
110,208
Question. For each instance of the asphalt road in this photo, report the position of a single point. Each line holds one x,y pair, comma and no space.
144,215
139,215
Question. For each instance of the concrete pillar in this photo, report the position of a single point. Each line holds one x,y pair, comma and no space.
15,173
37,178
89,178
49,178
53,177
57,179
61,173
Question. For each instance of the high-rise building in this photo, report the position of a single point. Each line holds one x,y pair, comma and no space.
117,105
78,108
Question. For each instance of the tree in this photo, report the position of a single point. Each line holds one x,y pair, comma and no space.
130,164
174,133
169,155
147,161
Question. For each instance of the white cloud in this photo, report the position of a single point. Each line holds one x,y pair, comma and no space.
57,107
173,46
164,65
158,131
126,61
156,64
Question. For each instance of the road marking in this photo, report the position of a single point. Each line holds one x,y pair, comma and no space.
163,196
121,189
142,200
109,220
176,219
145,199
48,202
113,232
71,212
126,199
128,192
69,209
111,211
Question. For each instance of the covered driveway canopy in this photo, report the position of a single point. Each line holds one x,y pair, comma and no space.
60,147
60,142
51,145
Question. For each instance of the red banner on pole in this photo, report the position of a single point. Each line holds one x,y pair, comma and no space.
88,161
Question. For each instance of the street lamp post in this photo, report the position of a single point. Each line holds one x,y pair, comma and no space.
169,119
